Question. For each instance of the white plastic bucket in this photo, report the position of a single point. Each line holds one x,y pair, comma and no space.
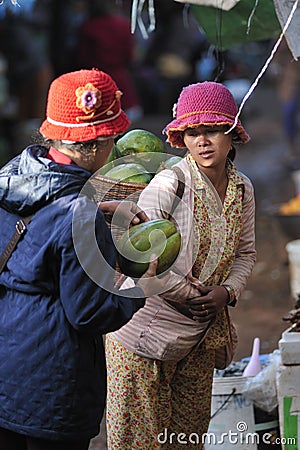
288,388
236,423
293,250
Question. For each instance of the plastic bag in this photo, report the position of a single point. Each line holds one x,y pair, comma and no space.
227,29
261,389
225,4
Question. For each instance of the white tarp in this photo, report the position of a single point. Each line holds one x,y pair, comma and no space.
226,5
283,9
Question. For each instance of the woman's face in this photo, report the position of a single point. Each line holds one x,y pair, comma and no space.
103,150
208,145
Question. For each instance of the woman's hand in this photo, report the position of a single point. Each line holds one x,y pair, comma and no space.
206,307
149,282
123,213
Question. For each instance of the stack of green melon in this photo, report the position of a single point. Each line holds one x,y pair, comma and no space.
132,158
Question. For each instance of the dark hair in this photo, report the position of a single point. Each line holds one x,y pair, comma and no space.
87,148
232,153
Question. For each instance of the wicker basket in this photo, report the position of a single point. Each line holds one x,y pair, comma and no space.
107,189
110,189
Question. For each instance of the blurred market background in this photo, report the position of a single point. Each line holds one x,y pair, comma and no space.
152,51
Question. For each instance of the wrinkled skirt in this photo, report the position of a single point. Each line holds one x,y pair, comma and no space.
157,405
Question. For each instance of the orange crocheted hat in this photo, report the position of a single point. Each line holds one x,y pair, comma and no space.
206,103
82,106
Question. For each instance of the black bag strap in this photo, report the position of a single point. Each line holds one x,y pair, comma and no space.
21,226
180,189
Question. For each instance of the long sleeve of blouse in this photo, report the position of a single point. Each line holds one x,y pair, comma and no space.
157,200
245,254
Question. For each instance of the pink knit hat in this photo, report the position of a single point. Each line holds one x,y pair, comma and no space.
206,103
82,106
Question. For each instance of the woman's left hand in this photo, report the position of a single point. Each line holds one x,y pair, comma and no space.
123,213
213,299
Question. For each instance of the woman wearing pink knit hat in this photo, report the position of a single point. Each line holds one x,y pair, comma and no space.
158,398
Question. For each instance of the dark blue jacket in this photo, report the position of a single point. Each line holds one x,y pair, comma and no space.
52,314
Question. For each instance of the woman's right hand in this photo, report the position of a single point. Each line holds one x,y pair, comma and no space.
212,300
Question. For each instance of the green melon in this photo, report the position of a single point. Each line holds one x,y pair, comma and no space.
139,141
136,245
132,172
114,154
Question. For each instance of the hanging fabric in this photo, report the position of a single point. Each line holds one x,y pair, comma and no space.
226,5
267,63
247,21
292,35
137,17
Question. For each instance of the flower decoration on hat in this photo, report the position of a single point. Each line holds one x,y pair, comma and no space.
89,99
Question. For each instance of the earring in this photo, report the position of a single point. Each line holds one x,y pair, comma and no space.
91,146
94,147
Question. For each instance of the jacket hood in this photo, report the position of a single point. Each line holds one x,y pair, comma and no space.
30,181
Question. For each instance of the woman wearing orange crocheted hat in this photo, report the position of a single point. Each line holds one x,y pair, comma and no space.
158,396
56,287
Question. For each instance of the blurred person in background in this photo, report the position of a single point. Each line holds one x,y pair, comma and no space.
169,58
105,40
23,42
286,72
